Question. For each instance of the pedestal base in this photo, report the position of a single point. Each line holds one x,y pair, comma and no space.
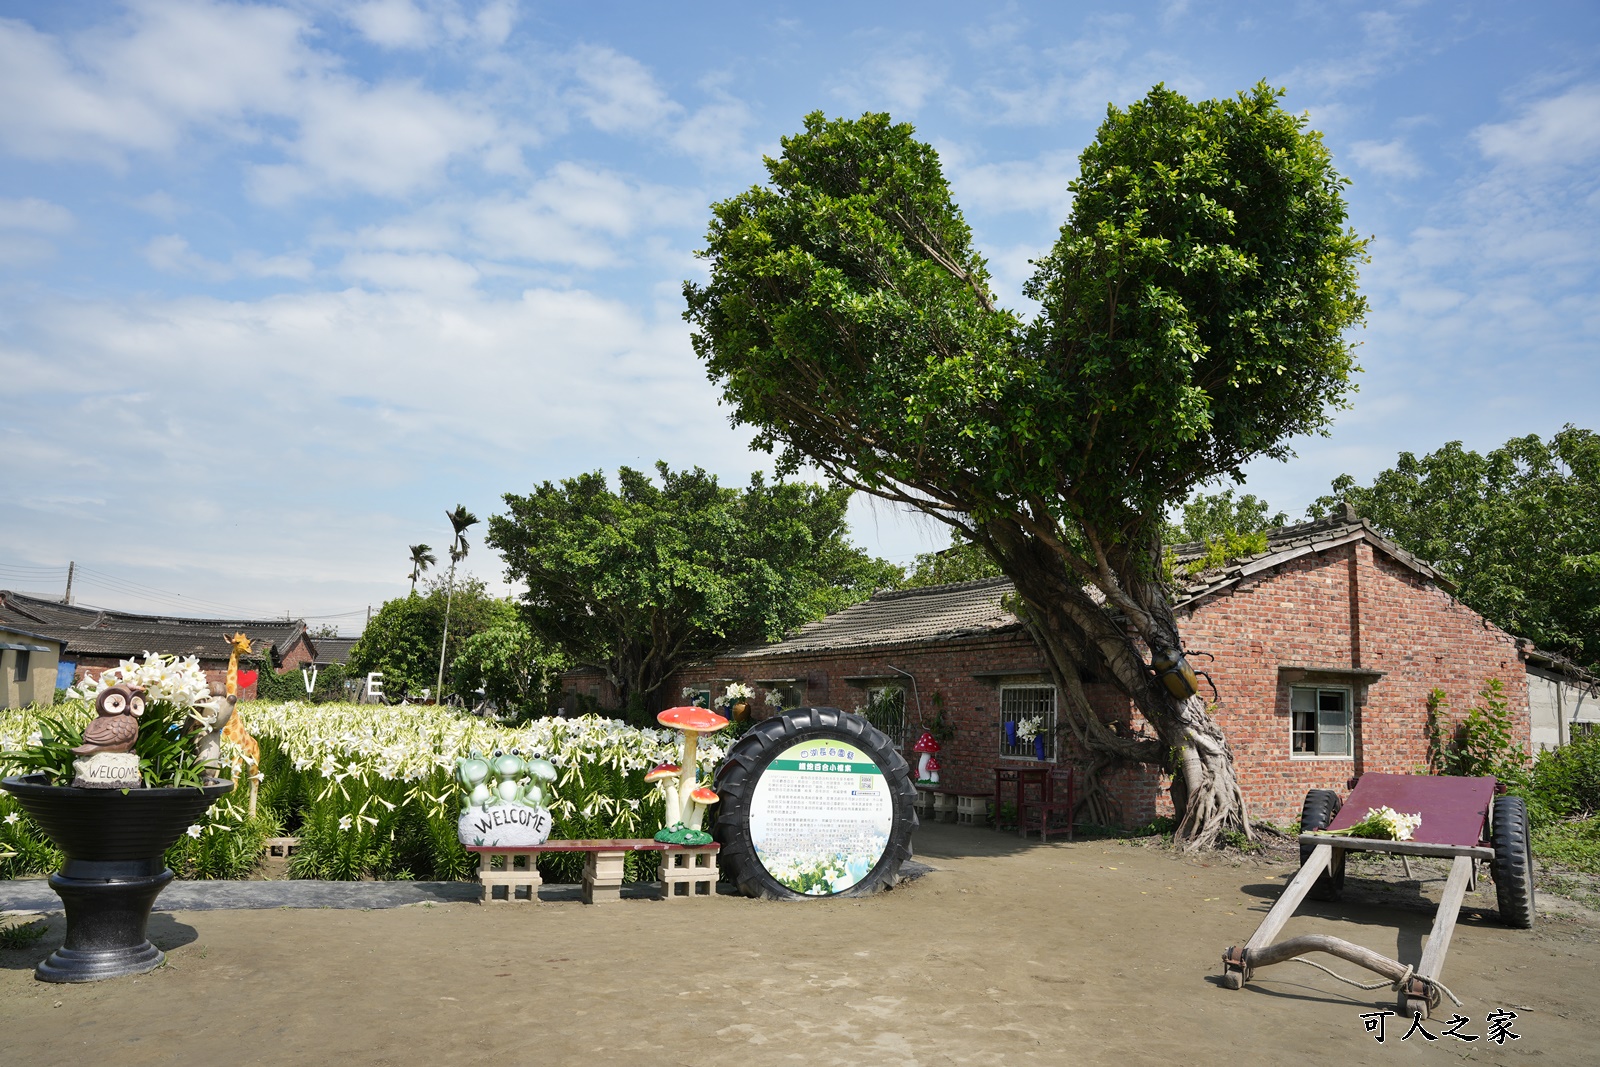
106,924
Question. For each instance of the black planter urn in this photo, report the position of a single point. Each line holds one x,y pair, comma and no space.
114,843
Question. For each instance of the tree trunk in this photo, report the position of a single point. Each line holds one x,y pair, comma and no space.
1080,637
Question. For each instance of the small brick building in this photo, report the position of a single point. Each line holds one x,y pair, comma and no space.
99,639
1326,648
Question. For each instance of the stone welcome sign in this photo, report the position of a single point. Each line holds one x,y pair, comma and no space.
507,824
107,770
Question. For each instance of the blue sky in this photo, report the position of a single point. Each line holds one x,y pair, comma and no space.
281,283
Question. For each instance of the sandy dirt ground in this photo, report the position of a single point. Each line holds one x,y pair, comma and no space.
1008,953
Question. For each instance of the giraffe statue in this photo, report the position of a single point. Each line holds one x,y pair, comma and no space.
234,731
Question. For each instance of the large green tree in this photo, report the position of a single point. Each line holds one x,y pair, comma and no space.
1192,317
647,578
404,637
1517,530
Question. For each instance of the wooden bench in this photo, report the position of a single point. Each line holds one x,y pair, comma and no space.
685,870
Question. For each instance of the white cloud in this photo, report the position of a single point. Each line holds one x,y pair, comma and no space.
617,93
172,253
1556,132
1384,40
372,400
1391,159
1038,185
31,213
897,83
715,134
405,24
390,140
573,216
423,272
392,23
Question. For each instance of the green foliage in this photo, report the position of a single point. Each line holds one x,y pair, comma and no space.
1514,529
1214,516
644,579
1566,780
59,732
19,935
402,639
515,669
24,849
1573,843
328,687
229,842
1225,528
963,561
1192,313
165,746
1482,743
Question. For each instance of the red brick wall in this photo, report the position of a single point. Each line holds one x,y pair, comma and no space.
945,670
1343,608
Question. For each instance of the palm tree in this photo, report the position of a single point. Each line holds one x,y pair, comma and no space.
460,520
421,559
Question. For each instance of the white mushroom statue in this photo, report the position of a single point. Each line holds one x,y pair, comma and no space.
693,722
665,777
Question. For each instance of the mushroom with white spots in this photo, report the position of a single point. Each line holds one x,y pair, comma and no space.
927,745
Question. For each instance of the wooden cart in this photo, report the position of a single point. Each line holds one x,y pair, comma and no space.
1461,818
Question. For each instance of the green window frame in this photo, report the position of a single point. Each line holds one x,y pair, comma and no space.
1321,722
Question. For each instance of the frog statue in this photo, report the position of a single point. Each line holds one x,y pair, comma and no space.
503,801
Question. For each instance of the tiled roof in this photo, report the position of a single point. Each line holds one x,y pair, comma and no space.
333,649
906,616
1291,542
94,631
965,609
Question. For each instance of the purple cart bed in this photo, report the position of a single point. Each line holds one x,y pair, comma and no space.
1455,823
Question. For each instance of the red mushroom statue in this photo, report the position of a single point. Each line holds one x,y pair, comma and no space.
927,766
693,722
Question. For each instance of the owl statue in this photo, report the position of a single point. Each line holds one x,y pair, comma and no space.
117,726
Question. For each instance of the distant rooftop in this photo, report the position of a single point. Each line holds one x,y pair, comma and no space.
101,632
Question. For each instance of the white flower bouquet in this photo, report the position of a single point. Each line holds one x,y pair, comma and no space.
1381,824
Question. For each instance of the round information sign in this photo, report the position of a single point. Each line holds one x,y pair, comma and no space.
816,802
820,816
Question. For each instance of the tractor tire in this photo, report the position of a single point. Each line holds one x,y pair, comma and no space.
1513,862
739,783
1317,814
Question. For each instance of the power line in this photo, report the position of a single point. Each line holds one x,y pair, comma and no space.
195,606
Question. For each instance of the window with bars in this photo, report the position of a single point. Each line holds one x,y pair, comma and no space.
886,709
1319,722
23,664
1018,705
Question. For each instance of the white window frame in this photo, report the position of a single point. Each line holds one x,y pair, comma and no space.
1021,751
875,692
1349,754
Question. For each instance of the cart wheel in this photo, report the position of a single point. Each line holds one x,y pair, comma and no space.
1320,807
1513,862
748,760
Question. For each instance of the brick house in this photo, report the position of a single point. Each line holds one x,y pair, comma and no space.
1326,648
99,638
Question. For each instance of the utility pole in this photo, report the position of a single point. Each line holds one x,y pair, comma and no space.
71,566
